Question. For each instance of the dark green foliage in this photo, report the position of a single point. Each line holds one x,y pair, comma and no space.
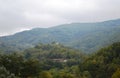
12,62
31,68
56,61
104,63
21,67
52,51
54,55
6,74
32,62
87,37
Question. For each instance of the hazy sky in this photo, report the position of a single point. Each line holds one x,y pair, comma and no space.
17,15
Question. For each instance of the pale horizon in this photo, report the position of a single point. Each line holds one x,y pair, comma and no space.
20,15
23,29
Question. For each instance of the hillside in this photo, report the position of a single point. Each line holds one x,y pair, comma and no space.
43,57
87,37
54,55
103,64
57,61
51,51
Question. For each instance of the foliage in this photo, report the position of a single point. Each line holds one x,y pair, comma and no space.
103,63
19,66
47,61
54,55
6,74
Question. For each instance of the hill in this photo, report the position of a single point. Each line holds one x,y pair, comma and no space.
54,55
87,37
103,64
33,61
57,61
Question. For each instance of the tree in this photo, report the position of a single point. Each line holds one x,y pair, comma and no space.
31,68
6,74
12,62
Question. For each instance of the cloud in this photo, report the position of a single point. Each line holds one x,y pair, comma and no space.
16,15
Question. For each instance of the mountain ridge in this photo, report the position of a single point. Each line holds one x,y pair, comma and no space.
87,37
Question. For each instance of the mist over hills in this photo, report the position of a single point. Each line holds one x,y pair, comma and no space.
87,37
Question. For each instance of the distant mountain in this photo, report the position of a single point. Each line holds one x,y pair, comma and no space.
87,37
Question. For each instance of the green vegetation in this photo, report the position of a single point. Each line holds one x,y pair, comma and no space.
6,74
22,57
87,37
52,53
103,63
56,61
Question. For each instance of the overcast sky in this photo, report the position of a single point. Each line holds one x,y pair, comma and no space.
18,15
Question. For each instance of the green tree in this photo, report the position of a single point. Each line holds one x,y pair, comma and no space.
31,68
12,62
6,74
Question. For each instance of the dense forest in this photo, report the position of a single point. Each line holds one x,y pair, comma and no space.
57,61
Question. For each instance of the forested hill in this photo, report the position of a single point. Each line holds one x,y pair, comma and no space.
52,51
57,61
103,64
87,37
